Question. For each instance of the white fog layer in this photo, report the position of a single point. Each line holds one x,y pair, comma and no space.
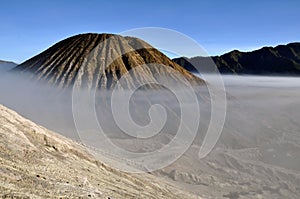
257,155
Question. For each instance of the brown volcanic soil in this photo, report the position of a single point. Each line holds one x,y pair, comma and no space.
99,60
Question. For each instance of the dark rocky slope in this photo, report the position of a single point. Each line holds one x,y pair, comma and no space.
283,59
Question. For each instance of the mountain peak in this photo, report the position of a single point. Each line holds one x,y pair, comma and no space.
99,60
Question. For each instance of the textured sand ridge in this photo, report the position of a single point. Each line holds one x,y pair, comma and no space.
37,163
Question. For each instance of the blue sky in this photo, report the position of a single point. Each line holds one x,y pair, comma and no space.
29,27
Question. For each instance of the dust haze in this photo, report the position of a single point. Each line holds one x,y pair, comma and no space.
256,155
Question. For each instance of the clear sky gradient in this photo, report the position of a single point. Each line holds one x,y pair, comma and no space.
29,27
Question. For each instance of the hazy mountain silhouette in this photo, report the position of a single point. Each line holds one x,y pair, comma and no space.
283,59
99,61
6,65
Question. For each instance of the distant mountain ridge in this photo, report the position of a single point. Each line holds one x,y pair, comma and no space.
282,59
99,61
3,61
6,65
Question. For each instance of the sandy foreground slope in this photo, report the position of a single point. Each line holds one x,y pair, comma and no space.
37,163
